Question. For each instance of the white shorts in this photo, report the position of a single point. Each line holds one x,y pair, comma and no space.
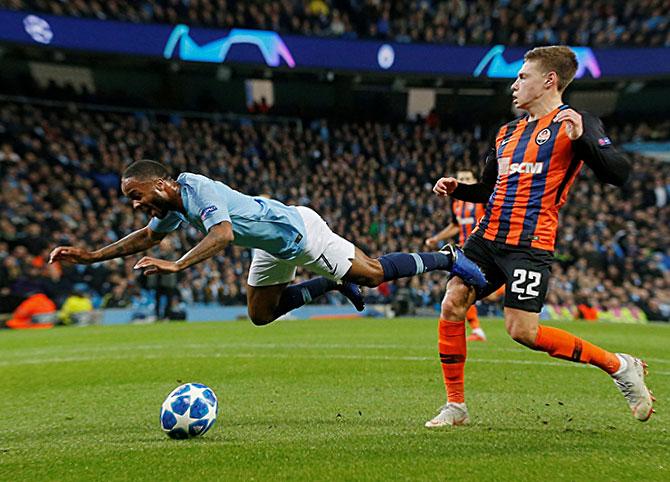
326,254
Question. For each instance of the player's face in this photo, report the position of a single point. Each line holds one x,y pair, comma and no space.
529,85
465,177
150,196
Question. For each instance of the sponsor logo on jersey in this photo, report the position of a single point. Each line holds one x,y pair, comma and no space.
604,141
543,136
206,212
467,220
504,167
526,168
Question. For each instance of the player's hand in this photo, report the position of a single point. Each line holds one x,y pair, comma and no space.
431,242
72,255
156,266
574,125
445,186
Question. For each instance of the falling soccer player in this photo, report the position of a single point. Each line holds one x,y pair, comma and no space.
283,237
464,217
525,181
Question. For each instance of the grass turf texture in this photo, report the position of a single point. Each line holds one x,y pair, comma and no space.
321,400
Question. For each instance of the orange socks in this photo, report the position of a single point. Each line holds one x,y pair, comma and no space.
452,347
471,316
561,344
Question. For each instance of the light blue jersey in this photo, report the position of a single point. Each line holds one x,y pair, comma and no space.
257,222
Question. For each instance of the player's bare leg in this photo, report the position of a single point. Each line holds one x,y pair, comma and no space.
267,303
262,302
365,271
627,371
452,349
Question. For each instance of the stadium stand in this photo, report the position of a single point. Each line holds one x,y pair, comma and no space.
59,176
597,23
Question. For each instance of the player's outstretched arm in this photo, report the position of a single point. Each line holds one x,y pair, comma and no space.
592,145
137,241
218,237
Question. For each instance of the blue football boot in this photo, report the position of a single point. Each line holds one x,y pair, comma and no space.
353,294
463,267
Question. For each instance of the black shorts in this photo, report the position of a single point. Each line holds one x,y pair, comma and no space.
524,271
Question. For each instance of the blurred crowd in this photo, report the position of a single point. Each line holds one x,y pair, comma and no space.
596,23
59,184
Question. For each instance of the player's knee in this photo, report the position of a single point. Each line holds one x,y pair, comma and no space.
374,275
521,334
452,309
260,317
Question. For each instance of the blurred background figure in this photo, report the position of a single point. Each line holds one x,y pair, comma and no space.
164,285
78,308
35,312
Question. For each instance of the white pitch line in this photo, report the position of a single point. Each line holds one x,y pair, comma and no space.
287,356
215,346
116,348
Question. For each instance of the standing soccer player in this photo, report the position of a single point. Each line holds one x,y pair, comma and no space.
283,238
525,181
464,217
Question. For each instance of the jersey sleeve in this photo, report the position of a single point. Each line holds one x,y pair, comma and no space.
165,225
210,204
480,191
597,152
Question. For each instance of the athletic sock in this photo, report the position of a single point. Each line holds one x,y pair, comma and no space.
564,345
302,293
471,316
452,348
403,265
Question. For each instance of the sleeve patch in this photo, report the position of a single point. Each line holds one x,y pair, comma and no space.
604,141
206,212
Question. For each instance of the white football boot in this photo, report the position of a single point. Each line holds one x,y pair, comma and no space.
450,414
629,379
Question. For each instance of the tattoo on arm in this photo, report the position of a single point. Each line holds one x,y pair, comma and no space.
135,242
216,240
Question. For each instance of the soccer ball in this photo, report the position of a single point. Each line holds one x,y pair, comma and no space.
190,410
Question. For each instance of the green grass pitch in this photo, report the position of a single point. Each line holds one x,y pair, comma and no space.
322,400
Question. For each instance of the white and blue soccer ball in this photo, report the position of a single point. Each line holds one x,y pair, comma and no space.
189,411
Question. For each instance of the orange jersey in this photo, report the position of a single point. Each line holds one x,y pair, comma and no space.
466,215
536,168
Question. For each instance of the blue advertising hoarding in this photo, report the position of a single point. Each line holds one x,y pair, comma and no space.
291,51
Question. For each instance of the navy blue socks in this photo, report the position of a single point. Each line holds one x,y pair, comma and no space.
297,295
403,265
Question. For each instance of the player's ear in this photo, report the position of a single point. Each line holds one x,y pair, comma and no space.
551,79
